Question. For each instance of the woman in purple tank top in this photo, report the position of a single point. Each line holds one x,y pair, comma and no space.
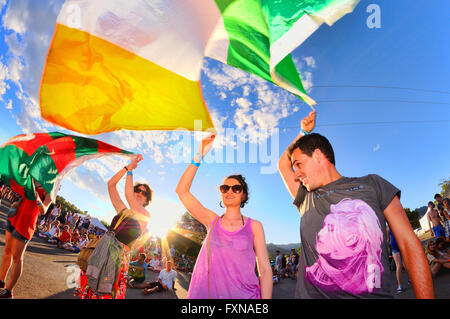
235,245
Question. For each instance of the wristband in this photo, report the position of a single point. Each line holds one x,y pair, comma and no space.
39,203
195,163
130,173
304,132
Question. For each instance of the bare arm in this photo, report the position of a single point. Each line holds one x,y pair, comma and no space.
285,163
429,223
411,249
446,214
43,205
129,188
262,257
116,201
194,207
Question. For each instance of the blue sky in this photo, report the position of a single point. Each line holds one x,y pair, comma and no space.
383,102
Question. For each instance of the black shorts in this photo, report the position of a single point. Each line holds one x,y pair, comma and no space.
155,284
15,233
139,279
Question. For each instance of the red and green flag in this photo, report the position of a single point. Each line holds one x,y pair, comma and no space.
47,158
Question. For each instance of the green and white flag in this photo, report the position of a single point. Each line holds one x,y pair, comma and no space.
136,64
258,36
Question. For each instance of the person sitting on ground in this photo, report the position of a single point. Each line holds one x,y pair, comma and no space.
181,264
275,275
63,238
74,240
436,260
442,246
137,271
166,281
80,244
155,264
52,230
289,271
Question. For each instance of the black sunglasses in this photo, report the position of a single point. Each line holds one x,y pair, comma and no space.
138,190
235,188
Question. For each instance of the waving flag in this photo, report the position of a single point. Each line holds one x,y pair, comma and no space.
47,158
136,64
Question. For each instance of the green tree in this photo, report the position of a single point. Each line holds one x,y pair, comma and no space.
445,185
413,217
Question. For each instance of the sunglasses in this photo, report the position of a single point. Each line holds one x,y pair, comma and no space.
138,190
235,188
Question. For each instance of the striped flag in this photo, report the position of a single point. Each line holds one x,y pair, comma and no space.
136,64
47,158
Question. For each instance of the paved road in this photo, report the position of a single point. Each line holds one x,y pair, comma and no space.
49,272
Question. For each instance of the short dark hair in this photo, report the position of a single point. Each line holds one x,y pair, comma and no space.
241,180
430,202
149,192
309,143
437,195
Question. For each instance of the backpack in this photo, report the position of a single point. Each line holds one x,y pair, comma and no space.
86,252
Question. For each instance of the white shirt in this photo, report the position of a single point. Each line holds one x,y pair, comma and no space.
55,211
167,278
52,231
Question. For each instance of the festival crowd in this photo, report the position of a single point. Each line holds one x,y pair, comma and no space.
344,250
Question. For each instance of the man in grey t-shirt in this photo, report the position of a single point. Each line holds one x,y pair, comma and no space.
343,235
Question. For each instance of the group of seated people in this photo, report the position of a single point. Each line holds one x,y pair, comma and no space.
137,275
64,237
438,255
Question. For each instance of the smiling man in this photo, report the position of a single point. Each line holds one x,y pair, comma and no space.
344,243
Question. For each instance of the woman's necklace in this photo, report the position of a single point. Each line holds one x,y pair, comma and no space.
230,223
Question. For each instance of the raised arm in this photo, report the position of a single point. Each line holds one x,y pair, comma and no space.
285,163
194,207
129,187
43,205
262,257
114,196
412,252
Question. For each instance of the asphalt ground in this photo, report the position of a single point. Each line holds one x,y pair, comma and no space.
50,273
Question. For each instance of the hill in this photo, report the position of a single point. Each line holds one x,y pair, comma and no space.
422,210
283,248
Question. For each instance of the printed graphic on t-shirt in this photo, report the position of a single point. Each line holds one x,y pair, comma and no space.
349,250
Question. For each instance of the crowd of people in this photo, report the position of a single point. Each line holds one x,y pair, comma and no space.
66,229
8,194
343,253
438,248
285,266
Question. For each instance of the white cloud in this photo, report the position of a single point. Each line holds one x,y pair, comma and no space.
309,60
4,75
376,148
257,103
307,81
30,26
93,183
9,105
305,66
